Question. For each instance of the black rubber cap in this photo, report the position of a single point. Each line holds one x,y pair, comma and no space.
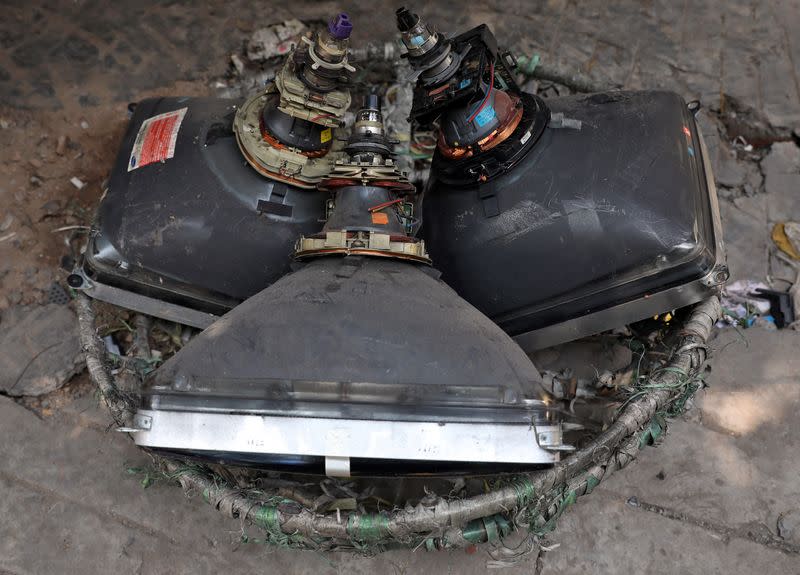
405,19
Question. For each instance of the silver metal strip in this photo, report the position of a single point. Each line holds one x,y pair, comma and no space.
617,316
622,314
716,218
337,466
346,438
147,305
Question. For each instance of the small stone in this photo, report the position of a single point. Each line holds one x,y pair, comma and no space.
35,163
6,222
789,525
84,124
36,181
61,145
39,349
77,182
4,124
237,64
51,208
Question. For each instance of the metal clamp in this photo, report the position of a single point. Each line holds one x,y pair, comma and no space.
552,439
140,423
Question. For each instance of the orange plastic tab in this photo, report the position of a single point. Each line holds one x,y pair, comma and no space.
381,218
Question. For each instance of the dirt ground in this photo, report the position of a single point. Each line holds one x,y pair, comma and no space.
707,501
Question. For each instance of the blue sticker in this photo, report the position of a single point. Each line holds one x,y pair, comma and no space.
486,115
691,151
464,83
417,41
133,162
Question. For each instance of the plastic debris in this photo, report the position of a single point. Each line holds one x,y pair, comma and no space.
111,346
781,306
77,182
527,64
786,236
739,306
748,304
275,40
262,56
740,142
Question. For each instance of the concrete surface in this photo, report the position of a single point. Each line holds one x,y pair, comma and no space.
41,350
62,51
708,498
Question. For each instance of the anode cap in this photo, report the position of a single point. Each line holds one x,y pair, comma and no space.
340,26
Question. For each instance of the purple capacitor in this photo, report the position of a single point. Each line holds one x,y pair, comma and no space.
340,27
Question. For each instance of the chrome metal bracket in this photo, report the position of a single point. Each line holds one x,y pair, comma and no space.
140,423
551,438
139,303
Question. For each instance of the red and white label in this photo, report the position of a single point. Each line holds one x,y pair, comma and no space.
156,139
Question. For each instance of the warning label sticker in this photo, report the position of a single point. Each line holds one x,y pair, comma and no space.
155,141
485,116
